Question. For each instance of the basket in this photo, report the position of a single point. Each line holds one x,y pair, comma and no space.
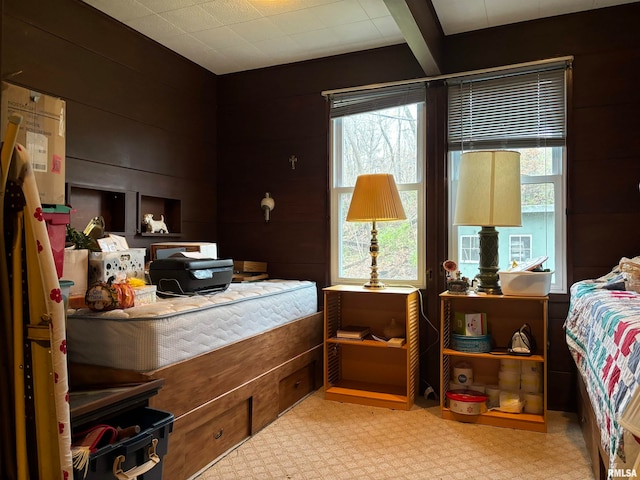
471,344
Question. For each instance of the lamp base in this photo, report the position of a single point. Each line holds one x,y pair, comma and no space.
488,279
373,282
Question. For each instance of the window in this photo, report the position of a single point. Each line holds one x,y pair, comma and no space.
525,111
469,249
378,131
519,248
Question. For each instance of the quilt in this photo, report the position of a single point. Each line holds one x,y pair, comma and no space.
603,334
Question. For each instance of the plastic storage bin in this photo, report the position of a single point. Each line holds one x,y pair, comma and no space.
139,456
526,284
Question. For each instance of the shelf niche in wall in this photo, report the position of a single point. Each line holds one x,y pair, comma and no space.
159,206
88,202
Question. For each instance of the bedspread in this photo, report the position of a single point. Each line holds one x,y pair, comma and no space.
603,334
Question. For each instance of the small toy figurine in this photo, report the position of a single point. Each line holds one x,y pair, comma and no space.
455,282
154,226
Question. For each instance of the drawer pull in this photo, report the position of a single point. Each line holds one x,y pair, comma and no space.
297,384
219,434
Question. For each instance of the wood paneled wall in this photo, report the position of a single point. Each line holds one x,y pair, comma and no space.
603,150
140,119
265,117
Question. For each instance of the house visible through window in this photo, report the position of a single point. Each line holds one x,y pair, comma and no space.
380,131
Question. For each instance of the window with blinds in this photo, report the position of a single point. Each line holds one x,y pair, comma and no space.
514,111
378,130
522,110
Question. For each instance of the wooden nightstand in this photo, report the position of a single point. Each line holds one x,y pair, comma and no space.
370,372
505,315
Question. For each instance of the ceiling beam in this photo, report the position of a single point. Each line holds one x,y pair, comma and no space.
421,29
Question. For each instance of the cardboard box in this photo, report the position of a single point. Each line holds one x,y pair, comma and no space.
104,266
144,295
166,249
244,266
42,133
470,324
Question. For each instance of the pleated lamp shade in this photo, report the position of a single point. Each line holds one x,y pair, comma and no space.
375,198
489,189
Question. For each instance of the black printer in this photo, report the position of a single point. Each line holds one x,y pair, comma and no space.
184,275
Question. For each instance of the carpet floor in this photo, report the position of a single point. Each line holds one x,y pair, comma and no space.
325,440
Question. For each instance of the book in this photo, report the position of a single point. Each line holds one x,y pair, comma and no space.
390,342
353,332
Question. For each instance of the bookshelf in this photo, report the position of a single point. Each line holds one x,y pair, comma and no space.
367,371
505,314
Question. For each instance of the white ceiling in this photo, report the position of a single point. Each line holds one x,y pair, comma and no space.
226,36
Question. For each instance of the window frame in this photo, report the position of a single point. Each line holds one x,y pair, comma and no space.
335,193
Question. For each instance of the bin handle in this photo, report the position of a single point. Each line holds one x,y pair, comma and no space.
131,474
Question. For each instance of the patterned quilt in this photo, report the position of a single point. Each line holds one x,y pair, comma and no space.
603,334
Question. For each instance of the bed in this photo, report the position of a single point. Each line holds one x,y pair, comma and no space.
231,362
603,335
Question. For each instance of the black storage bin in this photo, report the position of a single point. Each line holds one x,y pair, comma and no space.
143,451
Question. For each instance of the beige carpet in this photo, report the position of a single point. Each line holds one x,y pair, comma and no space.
326,440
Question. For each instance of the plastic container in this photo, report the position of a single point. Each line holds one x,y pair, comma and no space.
526,284
467,402
144,450
533,403
530,366
511,402
509,381
493,394
464,343
463,373
531,382
510,365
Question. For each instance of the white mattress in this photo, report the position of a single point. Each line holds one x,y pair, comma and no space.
152,336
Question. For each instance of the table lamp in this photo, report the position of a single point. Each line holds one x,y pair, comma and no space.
489,197
375,199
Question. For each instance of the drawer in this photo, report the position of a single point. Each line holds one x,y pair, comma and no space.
589,427
296,386
204,434
213,438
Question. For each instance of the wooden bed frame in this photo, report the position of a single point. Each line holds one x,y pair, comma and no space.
221,398
591,433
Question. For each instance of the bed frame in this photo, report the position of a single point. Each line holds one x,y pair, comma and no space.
591,433
221,398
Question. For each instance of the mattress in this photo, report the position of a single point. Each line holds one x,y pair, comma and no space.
149,337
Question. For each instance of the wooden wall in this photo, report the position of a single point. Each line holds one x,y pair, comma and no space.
266,116
140,119
603,164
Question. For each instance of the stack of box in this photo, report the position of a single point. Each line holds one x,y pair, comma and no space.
248,271
42,133
470,333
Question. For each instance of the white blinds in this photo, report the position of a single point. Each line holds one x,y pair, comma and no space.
350,103
513,110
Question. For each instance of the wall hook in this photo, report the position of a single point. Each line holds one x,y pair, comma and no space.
292,160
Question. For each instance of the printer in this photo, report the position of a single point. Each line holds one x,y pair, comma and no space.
184,274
